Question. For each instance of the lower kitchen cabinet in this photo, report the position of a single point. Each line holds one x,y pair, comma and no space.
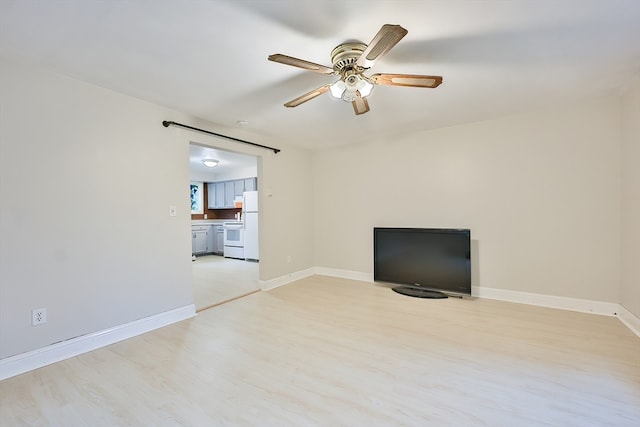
211,241
219,239
199,240
207,239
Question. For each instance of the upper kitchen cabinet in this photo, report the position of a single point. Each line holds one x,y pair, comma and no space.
251,184
238,187
222,194
229,194
215,195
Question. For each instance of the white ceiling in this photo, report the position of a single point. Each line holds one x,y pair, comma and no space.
209,58
229,162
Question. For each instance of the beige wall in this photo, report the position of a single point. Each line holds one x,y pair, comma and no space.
630,294
540,192
107,252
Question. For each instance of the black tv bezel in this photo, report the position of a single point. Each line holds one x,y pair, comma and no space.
466,232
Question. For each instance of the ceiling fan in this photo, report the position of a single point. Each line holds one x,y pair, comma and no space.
350,60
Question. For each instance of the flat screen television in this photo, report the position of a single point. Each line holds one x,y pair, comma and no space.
423,262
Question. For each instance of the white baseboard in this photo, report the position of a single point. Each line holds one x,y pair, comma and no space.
573,304
632,322
267,285
552,301
563,303
24,362
20,363
344,274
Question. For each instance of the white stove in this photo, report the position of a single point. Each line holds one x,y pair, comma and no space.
233,239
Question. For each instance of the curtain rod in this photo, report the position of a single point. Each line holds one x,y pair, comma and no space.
169,123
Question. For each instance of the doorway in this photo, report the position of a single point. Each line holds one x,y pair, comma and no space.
217,278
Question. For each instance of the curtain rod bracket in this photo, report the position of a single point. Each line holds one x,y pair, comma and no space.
167,123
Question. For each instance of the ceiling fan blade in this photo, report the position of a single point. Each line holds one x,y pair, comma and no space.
300,63
411,80
307,96
388,36
360,105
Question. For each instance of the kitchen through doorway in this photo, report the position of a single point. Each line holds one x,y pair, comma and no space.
223,194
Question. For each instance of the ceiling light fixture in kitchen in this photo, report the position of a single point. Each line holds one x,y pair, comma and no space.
210,163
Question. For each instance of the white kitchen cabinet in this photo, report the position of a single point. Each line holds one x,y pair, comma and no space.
199,239
211,195
222,194
211,239
238,187
250,184
216,239
216,195
207,239
229,194
219,239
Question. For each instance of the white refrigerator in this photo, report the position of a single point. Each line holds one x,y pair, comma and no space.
250,218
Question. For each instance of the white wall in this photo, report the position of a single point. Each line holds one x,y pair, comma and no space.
630,297
286,220
85,225
540,192
96,246
85,229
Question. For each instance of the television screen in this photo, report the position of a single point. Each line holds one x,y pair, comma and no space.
435,259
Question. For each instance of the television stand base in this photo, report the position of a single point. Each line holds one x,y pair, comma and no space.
418,293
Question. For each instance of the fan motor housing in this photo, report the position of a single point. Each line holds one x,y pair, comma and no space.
344,56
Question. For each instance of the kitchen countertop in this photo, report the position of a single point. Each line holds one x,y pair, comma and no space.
209,221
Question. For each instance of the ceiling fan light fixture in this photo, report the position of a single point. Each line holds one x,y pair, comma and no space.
337,89
365,88
210,163
350,61
347,89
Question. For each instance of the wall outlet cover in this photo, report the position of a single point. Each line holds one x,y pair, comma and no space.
38,316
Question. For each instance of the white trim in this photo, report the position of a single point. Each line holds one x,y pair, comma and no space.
24,362
552,301
630,320
20,363
344,274
563,303
267,285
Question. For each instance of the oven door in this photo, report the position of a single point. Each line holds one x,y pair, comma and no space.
233,234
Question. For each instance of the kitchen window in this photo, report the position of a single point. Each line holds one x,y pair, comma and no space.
197,189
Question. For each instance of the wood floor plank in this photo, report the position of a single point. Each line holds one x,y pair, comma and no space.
216,279
334,352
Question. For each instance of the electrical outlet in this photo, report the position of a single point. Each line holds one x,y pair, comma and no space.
288,259
172,210
38,316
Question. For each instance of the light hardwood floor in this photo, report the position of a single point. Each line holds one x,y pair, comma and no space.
333,352
217,279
